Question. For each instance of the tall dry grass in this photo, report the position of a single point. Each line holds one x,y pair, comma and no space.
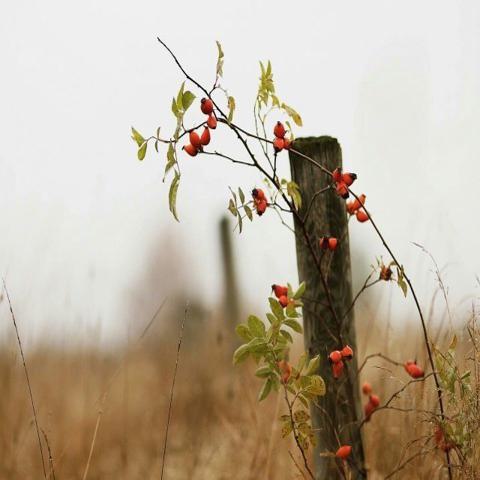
218,430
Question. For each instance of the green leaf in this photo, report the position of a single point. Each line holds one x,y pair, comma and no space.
263,372
276,308
313,365
175,109
266,389
256,326
292,114
317,386
300,291
232,208
243,332
172,195
248,211
180,97
302,361
290,310
293,191
287,428
142,151
231,108
220,60
240,222
301,416
241,354
187,99
401,280
272,318
137,137
241,195
293,324
286,335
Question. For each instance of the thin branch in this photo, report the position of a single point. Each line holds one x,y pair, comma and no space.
172,389
92,445
233,160
25,369
51,472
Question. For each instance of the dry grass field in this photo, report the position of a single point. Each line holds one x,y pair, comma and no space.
112,408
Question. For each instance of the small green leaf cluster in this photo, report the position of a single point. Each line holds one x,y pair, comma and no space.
266,96
268,344
236,204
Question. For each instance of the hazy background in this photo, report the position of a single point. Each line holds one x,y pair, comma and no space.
82,220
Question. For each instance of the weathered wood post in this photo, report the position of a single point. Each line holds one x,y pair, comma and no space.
326,329
231,300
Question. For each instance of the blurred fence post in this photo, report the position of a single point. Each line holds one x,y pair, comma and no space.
338,412
231,299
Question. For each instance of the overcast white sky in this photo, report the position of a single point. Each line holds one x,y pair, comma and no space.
396,82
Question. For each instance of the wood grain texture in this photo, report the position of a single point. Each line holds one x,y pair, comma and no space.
338,412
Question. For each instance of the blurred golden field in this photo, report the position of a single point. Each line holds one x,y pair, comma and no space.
112,407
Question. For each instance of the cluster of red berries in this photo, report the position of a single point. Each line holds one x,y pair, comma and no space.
343,452
343,181
280,142
285,370
413,369
281,292
373,401
197,142
355,208
206,106
259,200
328,243
337,357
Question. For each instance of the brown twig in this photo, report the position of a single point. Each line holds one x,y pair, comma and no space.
172,389
25,369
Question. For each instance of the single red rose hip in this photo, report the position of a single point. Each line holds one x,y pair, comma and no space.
206,105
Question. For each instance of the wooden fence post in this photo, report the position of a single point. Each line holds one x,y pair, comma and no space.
231,293
337,415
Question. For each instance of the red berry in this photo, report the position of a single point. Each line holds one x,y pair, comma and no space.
283,301
280,290
351,207
206,105
337,175
335,356
343,452
342,190
361,216
190,149
349,178
358,203
278,144
285,370
212,121
258,194
337,369
205,138
375,400
413,369
332,243
287,143
323,242
347,352
279,130
366,388
261,206
195,140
